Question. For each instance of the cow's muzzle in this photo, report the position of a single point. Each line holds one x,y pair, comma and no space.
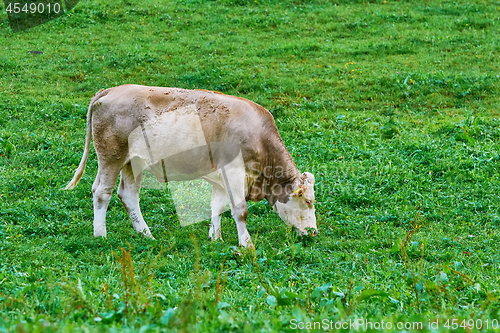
308,231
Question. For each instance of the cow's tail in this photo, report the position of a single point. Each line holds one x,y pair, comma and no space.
81,168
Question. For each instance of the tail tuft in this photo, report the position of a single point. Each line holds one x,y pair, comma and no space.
76,178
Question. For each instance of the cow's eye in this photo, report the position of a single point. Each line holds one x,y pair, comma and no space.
308,202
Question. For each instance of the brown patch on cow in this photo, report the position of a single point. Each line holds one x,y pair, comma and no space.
161,101
123,203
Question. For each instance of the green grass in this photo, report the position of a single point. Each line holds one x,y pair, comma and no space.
392,105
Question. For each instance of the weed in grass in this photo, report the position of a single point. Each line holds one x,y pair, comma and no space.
135,295
414,274
219,288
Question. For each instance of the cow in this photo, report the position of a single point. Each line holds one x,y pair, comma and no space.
179,134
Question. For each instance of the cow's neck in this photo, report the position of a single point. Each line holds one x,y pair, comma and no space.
283,176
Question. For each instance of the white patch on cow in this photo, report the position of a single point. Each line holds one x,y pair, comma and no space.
169,134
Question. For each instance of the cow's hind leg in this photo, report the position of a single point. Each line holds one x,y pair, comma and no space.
218,204
128,192
102,189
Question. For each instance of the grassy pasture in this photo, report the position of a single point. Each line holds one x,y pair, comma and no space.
393,105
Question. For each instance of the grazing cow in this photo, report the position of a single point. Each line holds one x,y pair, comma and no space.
180,134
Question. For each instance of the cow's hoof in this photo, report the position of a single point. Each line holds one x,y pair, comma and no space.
247,244
215,235
147,233
245,240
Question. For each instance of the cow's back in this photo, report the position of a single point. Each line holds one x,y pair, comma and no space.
178,120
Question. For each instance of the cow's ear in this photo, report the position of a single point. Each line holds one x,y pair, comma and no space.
308,177
299,192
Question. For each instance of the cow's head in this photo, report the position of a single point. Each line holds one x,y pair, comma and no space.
298,211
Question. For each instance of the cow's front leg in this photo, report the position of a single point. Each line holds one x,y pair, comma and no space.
233,176
128,192
218,204
239,213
